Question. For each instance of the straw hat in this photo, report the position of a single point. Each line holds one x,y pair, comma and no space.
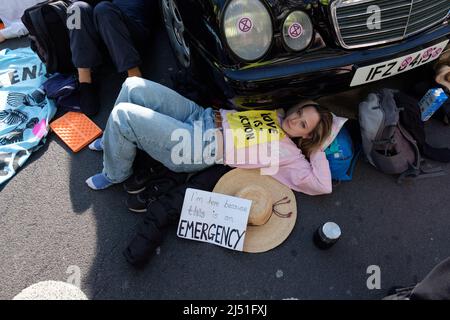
273,212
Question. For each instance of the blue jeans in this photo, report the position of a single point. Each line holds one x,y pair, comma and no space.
170,128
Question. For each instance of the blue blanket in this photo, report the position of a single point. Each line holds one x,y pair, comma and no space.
25,111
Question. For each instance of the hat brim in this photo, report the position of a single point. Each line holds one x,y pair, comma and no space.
276,230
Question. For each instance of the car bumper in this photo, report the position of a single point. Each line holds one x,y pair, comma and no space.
312,75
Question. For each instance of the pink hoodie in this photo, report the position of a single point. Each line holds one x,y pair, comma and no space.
295,171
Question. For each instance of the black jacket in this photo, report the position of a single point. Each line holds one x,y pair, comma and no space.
165,212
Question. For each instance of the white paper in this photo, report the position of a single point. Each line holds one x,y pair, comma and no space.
214,218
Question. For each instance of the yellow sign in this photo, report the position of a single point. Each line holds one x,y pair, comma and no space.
254,127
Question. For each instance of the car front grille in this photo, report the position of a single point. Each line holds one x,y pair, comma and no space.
355,20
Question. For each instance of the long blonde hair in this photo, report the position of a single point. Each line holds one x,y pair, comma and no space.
320,133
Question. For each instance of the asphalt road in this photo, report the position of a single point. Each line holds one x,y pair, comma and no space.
50,221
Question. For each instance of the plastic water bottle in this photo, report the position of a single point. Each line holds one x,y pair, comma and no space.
431,102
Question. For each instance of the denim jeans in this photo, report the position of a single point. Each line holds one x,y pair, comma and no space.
170,128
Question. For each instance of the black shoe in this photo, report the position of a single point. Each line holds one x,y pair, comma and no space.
138,182
89,101
139,202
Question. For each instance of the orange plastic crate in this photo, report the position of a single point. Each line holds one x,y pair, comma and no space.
76,130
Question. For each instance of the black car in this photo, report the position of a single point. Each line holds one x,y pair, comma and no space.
266,53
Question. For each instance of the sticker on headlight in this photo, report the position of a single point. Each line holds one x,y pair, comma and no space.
245,24
295,30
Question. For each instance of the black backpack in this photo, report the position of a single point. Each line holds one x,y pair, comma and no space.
49,36
410,118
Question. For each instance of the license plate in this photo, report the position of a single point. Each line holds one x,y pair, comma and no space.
392,67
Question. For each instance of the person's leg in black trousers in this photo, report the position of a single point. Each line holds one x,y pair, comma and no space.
85,44
122,36
104,24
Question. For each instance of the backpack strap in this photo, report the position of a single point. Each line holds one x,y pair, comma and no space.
417,171
356,155
413,142
420,174
384,137
384,144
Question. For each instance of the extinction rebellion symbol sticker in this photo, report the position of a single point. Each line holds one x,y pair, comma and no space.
295,30
245,24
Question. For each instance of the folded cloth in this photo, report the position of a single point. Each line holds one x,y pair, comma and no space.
64,90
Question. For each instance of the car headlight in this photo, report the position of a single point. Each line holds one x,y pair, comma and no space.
297,30
248,28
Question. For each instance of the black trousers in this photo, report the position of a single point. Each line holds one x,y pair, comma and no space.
105,25
165,211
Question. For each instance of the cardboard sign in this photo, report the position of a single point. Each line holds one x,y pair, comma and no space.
255,127
214,218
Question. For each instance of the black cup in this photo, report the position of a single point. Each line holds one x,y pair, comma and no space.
327,235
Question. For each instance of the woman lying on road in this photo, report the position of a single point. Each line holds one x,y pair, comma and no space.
147,115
